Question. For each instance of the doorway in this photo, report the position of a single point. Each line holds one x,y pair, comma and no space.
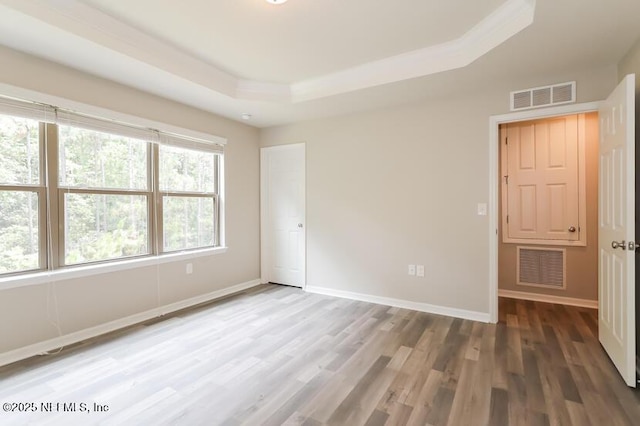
616,224
494,190
548,242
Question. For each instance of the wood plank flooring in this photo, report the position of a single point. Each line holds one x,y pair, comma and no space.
276,355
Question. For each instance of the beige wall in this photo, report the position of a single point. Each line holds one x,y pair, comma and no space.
26,313
582,262
631,64
400,186
384,189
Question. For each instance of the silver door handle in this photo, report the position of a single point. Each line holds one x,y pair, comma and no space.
621,244
300,225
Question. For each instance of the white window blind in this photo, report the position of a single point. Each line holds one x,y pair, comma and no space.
105,126
55,115
190,143
24,109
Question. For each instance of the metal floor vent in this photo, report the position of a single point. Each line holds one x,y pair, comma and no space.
541,267
537,97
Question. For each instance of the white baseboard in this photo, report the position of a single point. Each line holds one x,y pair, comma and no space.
208,297
400,303
78,336
536,297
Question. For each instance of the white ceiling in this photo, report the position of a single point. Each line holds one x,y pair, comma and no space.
314,58
301,39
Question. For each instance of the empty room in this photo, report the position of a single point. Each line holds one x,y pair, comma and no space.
327,212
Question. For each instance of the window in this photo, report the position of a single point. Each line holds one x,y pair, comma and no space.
104,191
114,191
21,195
188,188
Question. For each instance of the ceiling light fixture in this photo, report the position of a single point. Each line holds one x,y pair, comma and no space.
276,1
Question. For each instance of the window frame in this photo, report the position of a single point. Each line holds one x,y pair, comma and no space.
40,190
59,191
51,232
160,194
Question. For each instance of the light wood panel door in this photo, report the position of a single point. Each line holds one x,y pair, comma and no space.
283,214
541,180
616,281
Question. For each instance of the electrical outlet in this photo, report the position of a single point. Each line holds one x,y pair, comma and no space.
420,271
189,268
412,269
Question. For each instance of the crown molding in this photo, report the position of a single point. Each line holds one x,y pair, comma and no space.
99,32
263,91
505,22
113,37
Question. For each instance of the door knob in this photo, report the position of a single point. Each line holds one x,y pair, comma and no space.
621,244
572,229
299,225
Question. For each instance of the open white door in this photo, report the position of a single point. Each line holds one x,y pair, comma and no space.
616,240
283,214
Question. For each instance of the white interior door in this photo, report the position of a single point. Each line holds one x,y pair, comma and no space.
283,214
542,183
616,281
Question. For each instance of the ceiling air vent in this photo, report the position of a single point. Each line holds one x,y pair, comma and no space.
537,97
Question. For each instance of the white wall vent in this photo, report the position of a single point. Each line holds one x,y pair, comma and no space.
541,267
538,97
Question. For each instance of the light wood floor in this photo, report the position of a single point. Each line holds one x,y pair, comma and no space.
275,355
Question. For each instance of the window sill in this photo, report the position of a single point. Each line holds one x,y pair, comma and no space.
42,277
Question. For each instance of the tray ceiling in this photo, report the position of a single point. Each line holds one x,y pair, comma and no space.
303,59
